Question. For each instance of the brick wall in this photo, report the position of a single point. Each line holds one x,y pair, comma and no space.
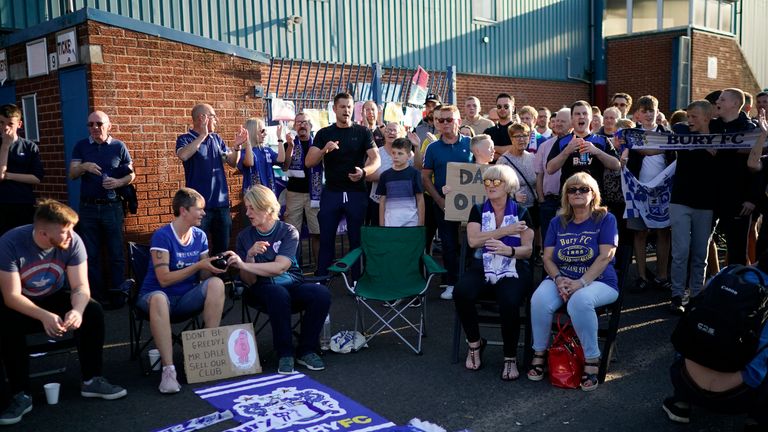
732,68
640,66
148,86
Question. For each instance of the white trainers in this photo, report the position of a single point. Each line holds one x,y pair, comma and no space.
168,383
448,293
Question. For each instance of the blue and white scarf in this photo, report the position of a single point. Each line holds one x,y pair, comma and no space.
649,201
498,266
296,169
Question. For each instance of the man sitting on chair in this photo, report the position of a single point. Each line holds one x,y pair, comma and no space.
179,279
266,257
35,261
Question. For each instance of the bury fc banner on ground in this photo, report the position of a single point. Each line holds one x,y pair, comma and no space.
290,403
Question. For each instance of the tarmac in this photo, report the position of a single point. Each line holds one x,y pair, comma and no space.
395,383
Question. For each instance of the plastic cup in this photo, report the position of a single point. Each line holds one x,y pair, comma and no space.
154,359
52,393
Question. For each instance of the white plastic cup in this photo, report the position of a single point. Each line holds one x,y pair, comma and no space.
154,359
52,393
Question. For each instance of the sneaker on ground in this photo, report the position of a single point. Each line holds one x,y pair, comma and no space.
285,366
101,388
311,361
662,284
169,384
641,285
679,412
20,405
448,293
676,305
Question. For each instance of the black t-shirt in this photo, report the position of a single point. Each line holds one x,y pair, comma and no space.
475,215
499,134
693,176
296,184
594,167
354,143
735,183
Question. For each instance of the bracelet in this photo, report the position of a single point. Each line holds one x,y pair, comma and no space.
583,282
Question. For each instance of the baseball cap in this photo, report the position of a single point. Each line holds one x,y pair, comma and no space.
432,97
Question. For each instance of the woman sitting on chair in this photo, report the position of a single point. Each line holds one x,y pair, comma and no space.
498,229
266,257
578,258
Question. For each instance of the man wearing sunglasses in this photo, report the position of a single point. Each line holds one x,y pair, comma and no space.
505,108
623,102
451,147
98,161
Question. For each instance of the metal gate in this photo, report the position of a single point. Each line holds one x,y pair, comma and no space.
312,85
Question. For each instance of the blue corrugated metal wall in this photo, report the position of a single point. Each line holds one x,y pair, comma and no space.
531,38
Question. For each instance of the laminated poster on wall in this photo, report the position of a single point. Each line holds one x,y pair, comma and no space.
357,116
318,118
283,110
393,112
331,113
412,117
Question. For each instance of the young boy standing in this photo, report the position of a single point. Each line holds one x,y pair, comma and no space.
401,190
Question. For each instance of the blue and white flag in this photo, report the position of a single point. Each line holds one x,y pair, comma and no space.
649,201
290,403
639,139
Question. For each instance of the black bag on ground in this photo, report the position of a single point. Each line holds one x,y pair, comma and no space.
722,327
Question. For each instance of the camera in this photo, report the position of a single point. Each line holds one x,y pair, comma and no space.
220,262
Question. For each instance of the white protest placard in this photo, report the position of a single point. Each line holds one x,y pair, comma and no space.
220,352
466,183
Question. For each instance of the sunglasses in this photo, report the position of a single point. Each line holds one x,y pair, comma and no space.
519,137
444,120
502,106
582,190
97,124
495,182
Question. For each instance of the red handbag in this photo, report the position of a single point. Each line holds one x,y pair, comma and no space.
566,358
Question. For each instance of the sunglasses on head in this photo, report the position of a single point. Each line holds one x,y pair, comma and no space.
502,106
98,124
582,190
444,120
495,182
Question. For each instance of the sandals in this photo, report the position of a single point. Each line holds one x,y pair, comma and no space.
476,355
589,381
510,373
536,371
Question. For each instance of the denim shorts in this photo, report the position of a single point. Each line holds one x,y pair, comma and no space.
191,301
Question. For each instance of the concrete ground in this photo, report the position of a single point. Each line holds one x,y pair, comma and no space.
392,381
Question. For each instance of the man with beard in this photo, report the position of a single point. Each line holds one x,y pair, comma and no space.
302,195
505,107
35,262
348,154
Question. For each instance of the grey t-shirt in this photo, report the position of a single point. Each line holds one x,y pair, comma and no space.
283,240
42,272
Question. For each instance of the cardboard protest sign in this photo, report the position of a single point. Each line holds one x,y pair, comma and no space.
221,352
466,183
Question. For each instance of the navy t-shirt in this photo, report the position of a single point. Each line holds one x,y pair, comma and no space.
573,163
23,158
577,246
283,240
400,188
354,143
204,171
42,272
180,256
108,155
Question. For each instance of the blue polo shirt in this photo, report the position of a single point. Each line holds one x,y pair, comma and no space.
108,155
204,171
439,154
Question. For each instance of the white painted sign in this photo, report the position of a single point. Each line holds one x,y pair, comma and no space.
3,68
37,58
66,47
712,67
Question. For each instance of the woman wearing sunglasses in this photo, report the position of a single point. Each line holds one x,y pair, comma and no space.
578,258
498,231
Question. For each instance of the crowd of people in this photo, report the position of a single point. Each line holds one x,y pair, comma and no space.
554,199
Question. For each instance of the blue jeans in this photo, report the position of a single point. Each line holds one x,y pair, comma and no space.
279,302
691,231
102,225
581,308
217,224
449,237
333,205
185,304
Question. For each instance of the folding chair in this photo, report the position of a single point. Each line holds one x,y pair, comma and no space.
139,259
392,273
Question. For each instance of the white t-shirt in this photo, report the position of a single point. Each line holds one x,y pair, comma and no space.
652,166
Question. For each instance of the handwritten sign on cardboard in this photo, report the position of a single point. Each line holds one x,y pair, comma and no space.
466,183
221,352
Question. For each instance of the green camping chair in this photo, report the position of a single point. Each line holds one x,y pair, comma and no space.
392,273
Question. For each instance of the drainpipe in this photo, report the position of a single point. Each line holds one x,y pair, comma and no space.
599,72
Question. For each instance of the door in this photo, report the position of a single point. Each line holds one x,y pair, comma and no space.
74,114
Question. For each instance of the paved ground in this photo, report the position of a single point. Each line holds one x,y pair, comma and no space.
399,385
